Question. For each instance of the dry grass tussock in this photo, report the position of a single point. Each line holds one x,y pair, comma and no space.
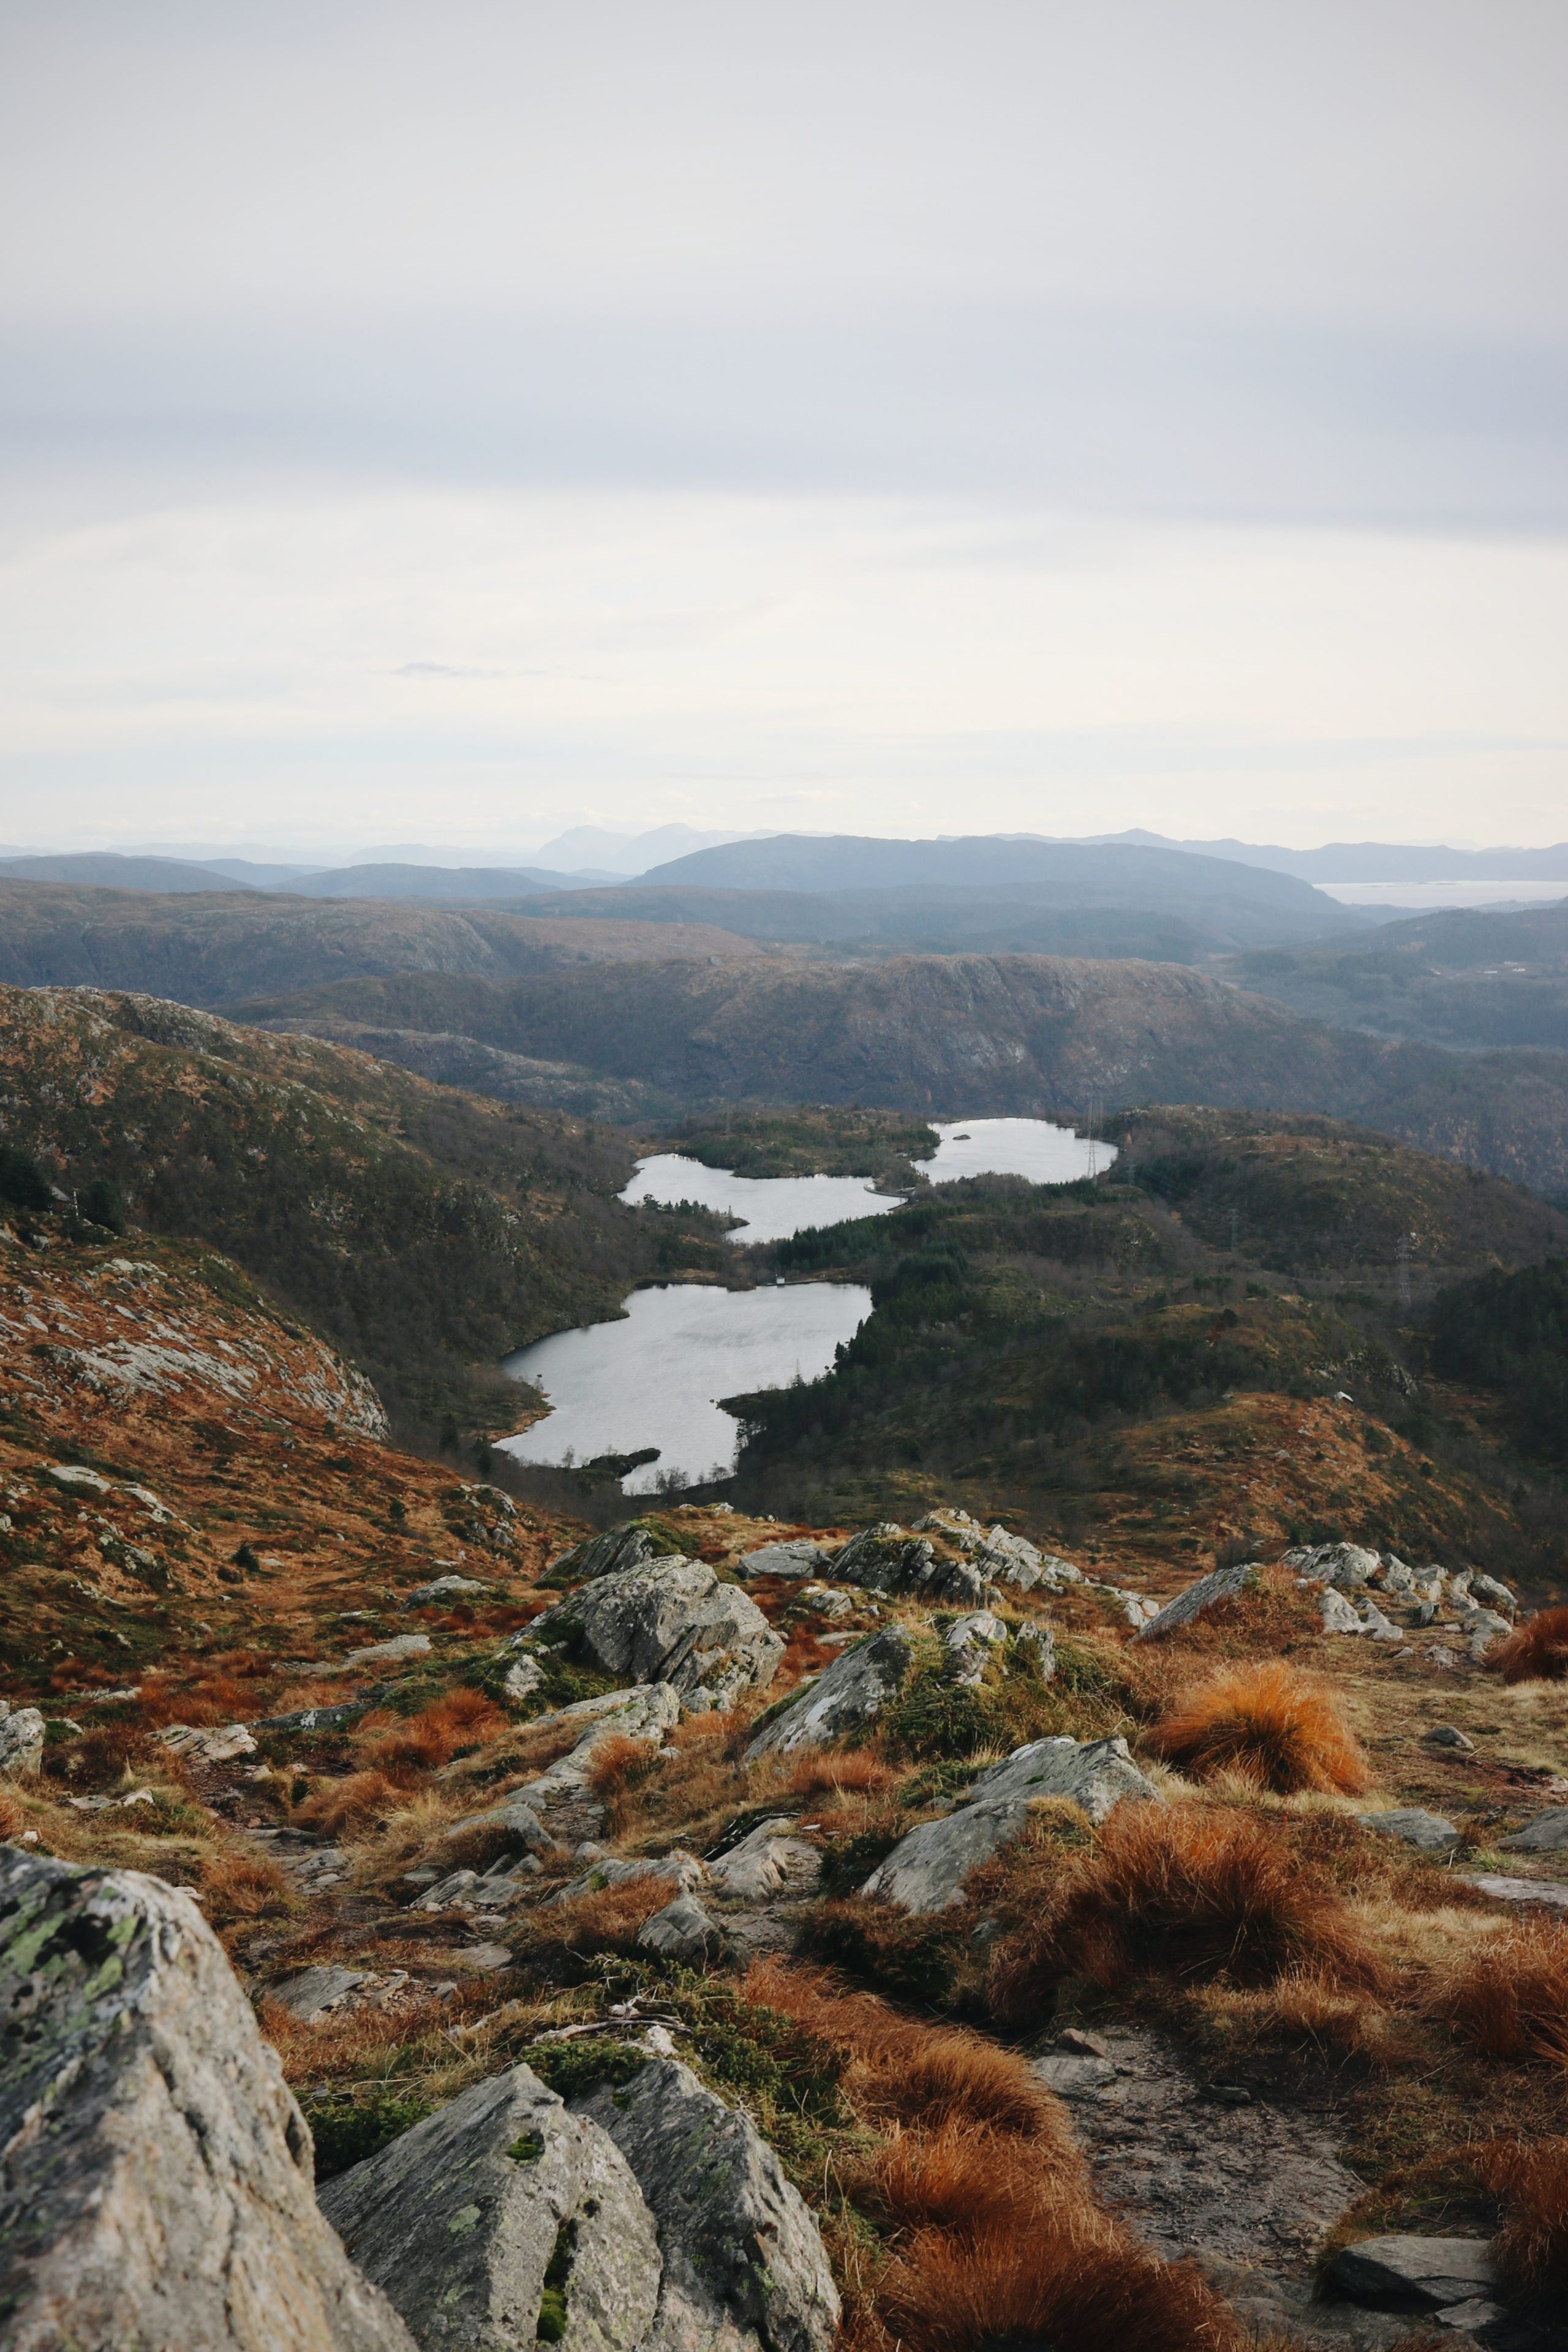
1072,2279
923,2078
1188,1890
1531,2247
13,1816
1510,1998
238,1885
853,1772
559,1937
1303,2006
1537,1652
462,1719
346,1804
1268,1724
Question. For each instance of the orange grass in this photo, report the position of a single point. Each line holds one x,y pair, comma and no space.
1186,1890
1532,2248
345,1804
1275,1728
855,1772
1537,1652
244,1886
958,2179
1073,2281
922,2076
616,1760
464,1718
554,1934
1510,1996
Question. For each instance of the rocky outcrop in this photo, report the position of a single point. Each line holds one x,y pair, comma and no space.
645,1714
1345,1565
744,2267
926,1868
887,1559
845,1698
498,2202
769,1861
795,1557
157,2182
631,1545
670,1620
1220,1584
682,1931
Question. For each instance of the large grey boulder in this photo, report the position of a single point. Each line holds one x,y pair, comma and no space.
467,2220
682,1931
1429,2271
744,2267
1220,1584
926,1868
769,1861
1346,1565
845,1698
670,1620
157,2188
628,1545
1547,1833
21,1742
887,1559
797,1555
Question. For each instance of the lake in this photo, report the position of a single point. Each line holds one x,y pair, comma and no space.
772,1208
655,1378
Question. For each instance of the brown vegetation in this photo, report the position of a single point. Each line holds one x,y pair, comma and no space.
343,1805
1537,1652
817,1774
463,1718
1511,1997
1274,1727
1185,1890
1531,2247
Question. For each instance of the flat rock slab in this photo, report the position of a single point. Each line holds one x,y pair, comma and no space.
1541,1894
1254,2185
158,2180
1547,1833
1428,1832
1430,2273
795,1557
1220,1584
316,1992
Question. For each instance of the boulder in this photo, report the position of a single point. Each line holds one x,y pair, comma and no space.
682,1931
848,1694
683,1870
442,1588
316,1992
1448,1734
1220,1584
1547,1833
1007,1559
1374,1622
524,1676
796,1557
1428,1832
1036,1648
1337,1615
887,1559
1490,1589
630,1545
768,1861
644,1714
744,2267
218,1744
1430,2273
926,1868
1344,1564
670,1620
501,2199
157,2184
401,1645
21,1742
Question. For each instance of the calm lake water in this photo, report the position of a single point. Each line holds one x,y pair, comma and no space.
654,1378
774,1207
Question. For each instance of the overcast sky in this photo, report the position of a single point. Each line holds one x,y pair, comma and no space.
457,423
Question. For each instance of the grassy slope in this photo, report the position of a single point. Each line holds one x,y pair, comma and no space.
1099,1357
966,1036
424,1233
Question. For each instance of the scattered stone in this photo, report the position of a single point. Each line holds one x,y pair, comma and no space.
522,1677
1337,1615
682,1931
887,1559
1008,1558
1448,1734
157,2186
848,1694
798,1557
768,1861
217,1745
684,1870
316,1992
926,1868
1498,1594
1476,2312
445,1588
980,1625
1433,2272
831,1601
1547,1833
1080,2044
1484,1627
744,2267
1074,2074
645,1714
21,1743
1528,1893
1428,1832
1220,1584
324,1718
1441,1657
490,1958
670,1620
462,2220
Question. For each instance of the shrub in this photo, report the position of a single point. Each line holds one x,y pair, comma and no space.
348,2126
1532,2248
1511,1997
1189,1890
1267,1723
101,1205
22,1181
1537,1652
911,1958
244,1886
1073,2280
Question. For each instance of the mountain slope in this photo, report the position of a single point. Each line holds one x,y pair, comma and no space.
424,1233
968,1035
212,950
